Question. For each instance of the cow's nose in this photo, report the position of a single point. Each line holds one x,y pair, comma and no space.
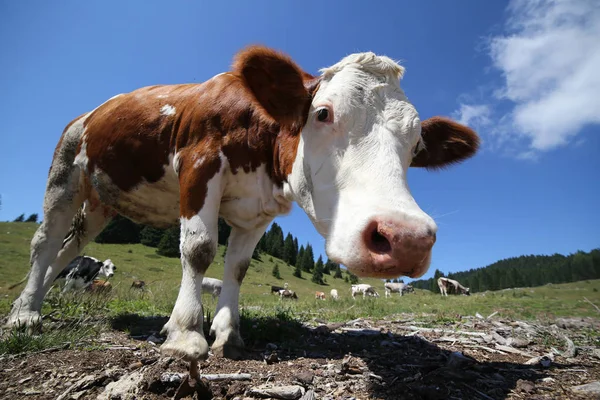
398,246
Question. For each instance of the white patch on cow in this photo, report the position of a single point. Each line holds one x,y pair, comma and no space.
149,203
162,96
167,109
199,161
177,162
248,198
352,170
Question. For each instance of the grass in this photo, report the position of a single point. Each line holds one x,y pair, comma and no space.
263,315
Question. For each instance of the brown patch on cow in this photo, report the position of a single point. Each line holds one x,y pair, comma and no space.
198,165
199,253
241,270
446,142
254,115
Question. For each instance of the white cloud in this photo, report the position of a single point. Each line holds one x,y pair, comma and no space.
473,115
549,59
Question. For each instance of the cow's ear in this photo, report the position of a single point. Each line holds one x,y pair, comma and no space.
277,83
445,142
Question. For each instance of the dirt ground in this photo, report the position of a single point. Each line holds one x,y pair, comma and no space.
397,358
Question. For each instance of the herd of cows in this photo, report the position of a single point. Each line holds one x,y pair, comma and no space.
83,273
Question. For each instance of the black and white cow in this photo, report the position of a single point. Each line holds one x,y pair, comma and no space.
82,271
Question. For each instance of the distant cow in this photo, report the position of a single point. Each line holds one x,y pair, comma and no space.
99,286
400,287
451,286
277,289
365,289
138,284
334,294
287,294
320,295
212,286
82,271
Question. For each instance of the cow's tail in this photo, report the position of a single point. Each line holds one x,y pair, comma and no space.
14,285
77,230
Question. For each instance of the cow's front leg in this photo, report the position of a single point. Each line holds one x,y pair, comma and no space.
226,325
199,205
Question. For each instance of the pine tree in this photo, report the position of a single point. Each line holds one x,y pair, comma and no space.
289,253
20,218
298,272
338,272
120,230
300,258
150,236
275,271
169,243
328,267
353,279
308,260
317,276
32,218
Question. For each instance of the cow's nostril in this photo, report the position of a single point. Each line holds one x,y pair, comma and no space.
379,243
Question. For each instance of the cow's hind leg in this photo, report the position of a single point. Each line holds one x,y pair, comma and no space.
87,224
226,325
62,200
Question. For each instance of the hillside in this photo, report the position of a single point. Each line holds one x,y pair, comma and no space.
136,261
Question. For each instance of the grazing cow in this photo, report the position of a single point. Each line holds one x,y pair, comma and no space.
212,286
245,145
277,289
451,286
391,287
138,284
334,294
320,295
99,286
287,294
82,271
365,289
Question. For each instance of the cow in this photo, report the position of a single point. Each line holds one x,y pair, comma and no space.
245,145
319,295
82,271
287,294
365,289
138,284
392,287
212,286
99,286
334,294
451,286
277,289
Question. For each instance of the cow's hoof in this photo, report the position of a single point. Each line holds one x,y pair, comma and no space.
230,351
32,321
187,345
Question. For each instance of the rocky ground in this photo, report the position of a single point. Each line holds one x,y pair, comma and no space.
397,358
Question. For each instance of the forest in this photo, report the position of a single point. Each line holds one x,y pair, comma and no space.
524,271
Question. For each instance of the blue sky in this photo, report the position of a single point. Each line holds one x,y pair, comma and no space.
523,73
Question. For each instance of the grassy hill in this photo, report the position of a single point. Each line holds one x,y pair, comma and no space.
163,274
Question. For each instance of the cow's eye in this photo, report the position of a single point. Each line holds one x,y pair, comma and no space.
324,115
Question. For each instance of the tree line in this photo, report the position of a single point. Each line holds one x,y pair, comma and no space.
31,218
121,230
524,271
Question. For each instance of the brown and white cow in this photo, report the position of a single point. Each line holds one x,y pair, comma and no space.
244,145
451,286
320,295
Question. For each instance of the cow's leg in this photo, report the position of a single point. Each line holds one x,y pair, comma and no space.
61,202
198,244
226,325
87,224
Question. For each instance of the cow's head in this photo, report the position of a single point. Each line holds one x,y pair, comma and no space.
347,140
108,268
